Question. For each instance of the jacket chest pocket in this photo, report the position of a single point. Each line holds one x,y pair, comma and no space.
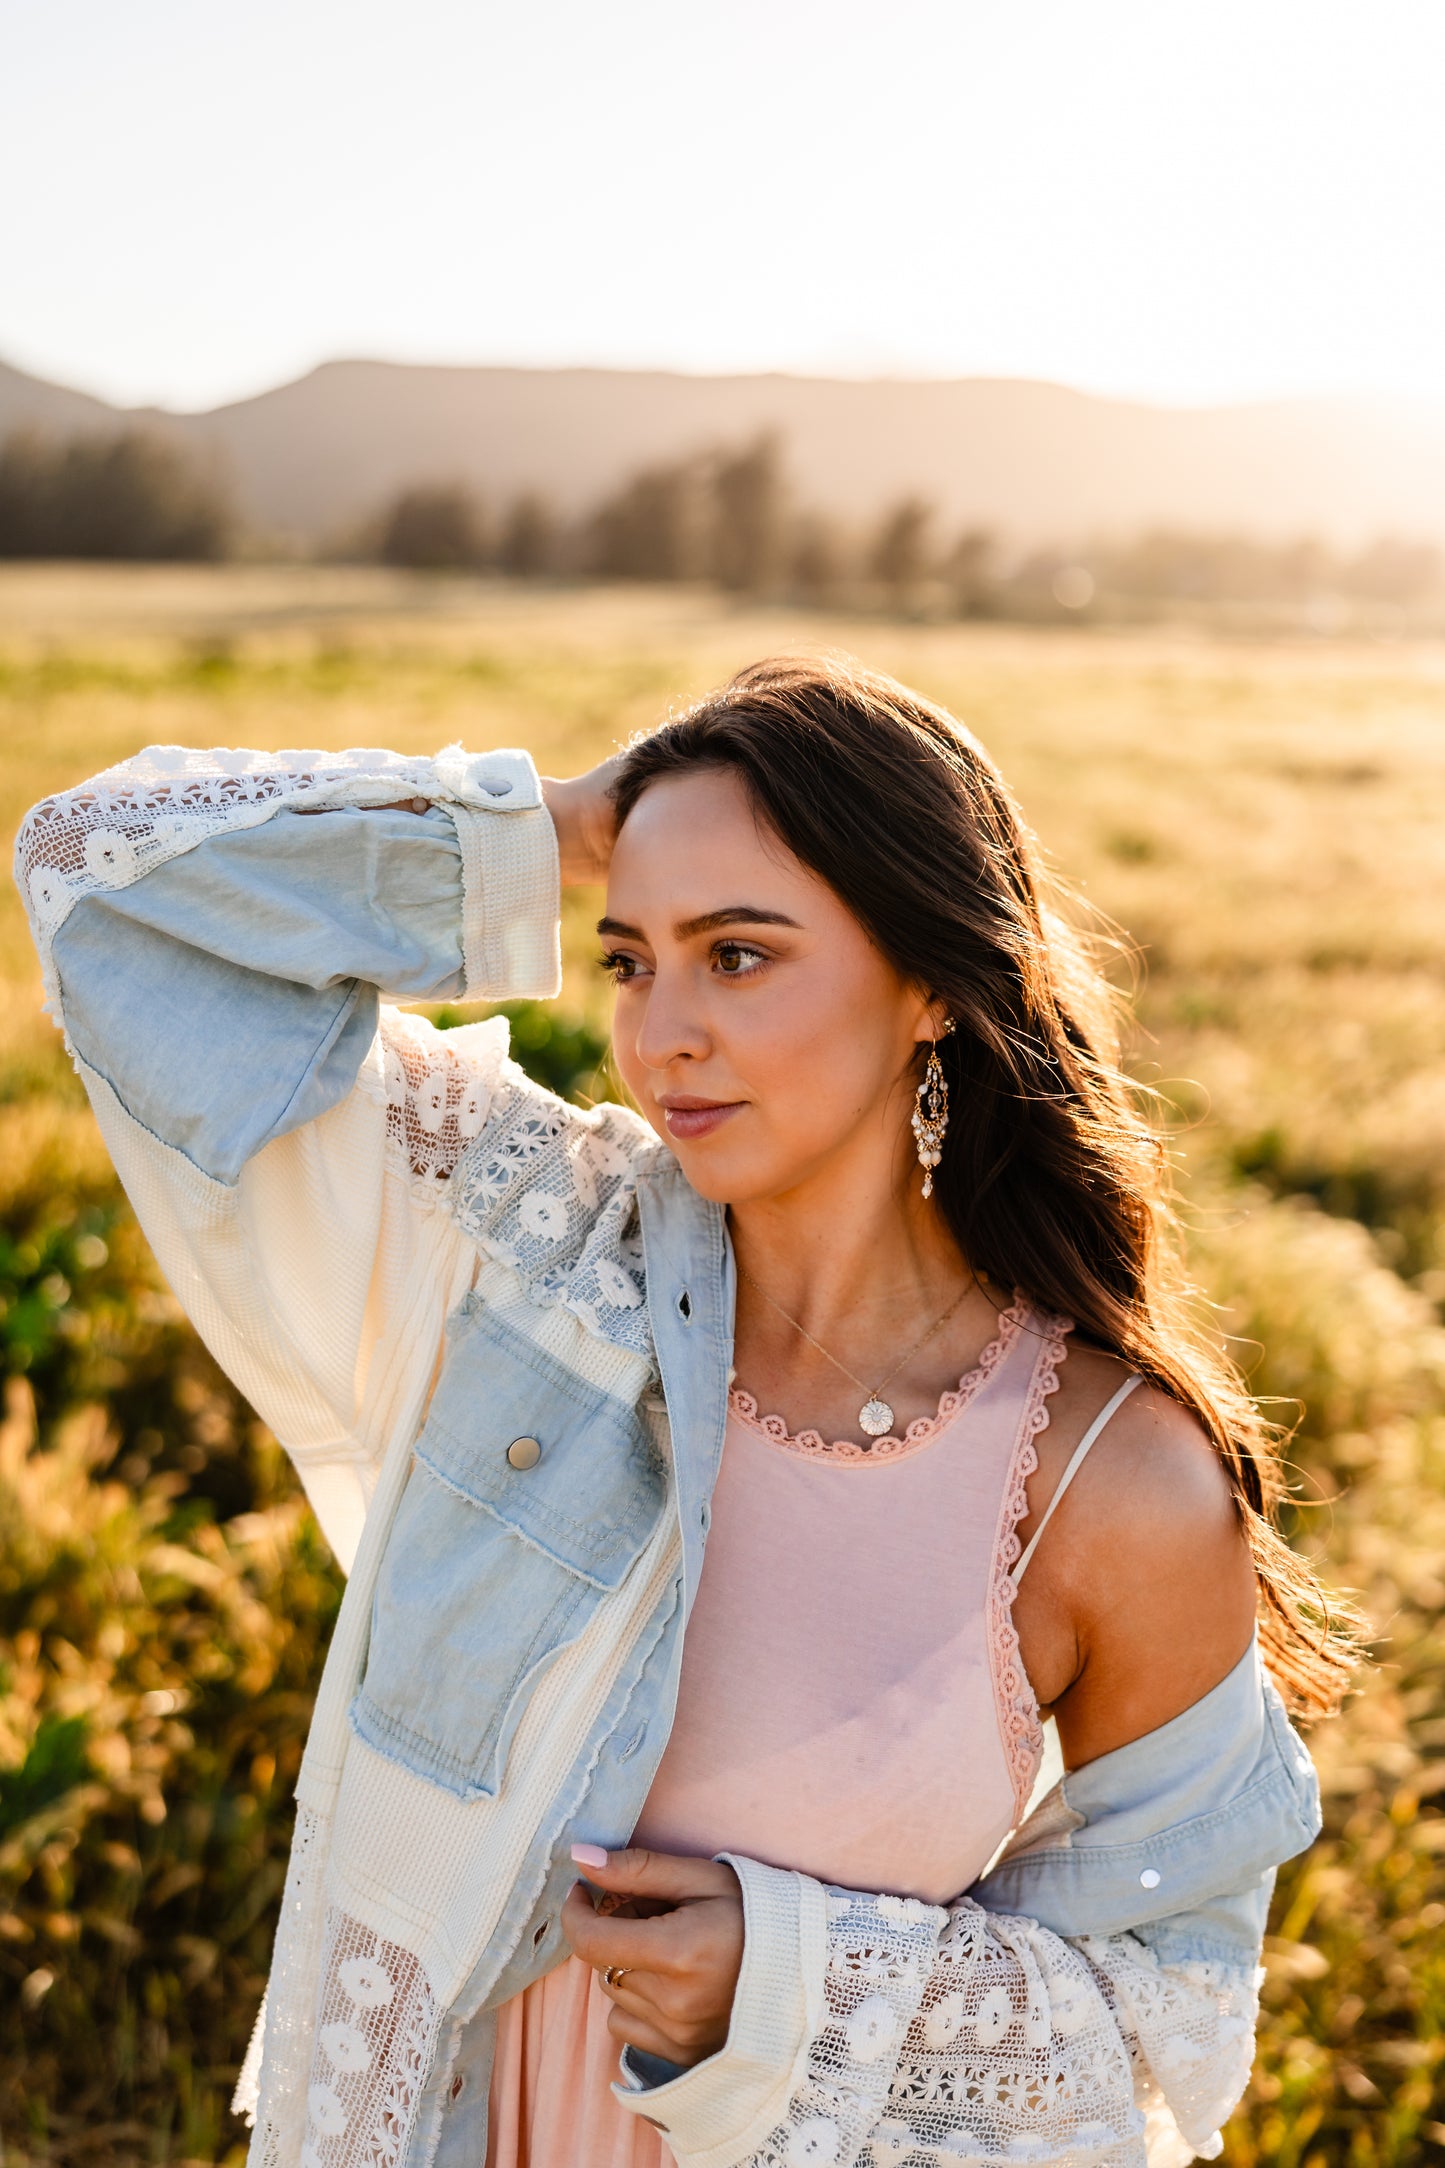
532,1496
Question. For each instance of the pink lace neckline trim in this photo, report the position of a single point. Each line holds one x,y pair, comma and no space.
1020,1724
811,1445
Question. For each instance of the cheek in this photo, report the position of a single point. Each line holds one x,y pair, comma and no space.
626,1017
816,1051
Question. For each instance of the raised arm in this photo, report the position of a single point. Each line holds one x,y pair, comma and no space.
217,931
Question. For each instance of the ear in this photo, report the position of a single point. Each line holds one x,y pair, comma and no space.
935,1021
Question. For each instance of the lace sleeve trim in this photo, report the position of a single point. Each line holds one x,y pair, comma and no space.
1018,1708
124,822
973,2037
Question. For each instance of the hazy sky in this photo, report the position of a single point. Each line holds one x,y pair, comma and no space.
1195,201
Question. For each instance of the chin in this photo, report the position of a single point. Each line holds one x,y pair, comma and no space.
731,1177
708,1173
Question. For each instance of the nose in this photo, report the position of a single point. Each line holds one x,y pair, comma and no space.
669,1028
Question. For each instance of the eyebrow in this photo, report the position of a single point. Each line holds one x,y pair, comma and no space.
731,914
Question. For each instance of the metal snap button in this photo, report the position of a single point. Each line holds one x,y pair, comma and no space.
524,1453
1149,1879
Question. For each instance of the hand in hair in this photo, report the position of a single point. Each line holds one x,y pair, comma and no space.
585,820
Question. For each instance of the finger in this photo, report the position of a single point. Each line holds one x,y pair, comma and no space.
629,1990
638,1872
633,2031
644,1945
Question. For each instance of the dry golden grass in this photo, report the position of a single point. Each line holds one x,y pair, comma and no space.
1268,821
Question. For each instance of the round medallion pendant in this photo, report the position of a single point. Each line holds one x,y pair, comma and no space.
876,1417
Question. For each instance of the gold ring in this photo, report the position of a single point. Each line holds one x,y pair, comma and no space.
615,1975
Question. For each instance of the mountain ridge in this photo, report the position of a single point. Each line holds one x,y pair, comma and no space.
1035,460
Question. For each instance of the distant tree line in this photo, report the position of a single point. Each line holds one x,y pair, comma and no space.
727,517
132,494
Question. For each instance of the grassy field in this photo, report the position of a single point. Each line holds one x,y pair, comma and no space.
1267,821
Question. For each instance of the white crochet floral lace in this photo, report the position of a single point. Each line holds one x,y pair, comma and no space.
375,2041
437,1088
1189,2029
273,2077
551,1190
342,2089
168,798
967,2039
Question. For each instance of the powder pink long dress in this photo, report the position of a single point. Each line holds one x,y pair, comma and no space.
851,1704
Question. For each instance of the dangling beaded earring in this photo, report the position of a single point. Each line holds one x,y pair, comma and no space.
930,1112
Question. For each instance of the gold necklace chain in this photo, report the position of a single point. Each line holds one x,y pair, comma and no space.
875,1416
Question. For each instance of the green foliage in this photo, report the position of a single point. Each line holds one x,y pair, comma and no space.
566,1053
55,1762
654,527
748,515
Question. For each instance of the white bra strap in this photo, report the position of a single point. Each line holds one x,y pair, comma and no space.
1076,1462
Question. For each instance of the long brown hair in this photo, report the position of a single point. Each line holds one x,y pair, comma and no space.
1052,1181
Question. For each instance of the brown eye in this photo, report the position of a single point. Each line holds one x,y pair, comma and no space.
737,961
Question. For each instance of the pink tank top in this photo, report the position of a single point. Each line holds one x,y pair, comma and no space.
851,1704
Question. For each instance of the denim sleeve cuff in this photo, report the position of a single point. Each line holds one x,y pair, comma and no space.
511,883
722,2110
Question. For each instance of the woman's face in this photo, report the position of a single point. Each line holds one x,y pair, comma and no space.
759,1030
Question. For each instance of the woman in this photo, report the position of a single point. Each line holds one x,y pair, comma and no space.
857,1319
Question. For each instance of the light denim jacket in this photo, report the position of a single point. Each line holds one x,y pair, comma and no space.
221,992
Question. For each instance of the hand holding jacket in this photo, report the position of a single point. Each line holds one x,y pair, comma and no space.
675,1927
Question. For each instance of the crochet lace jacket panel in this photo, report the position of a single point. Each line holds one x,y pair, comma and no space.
963,2037
551,1190
959,2038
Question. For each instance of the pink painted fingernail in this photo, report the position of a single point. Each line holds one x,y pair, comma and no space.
589,1855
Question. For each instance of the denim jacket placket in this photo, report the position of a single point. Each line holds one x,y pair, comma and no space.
691,1289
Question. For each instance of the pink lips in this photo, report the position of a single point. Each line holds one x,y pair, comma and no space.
687,1118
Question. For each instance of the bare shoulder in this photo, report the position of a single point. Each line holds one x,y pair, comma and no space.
1151,1478
1143,1589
